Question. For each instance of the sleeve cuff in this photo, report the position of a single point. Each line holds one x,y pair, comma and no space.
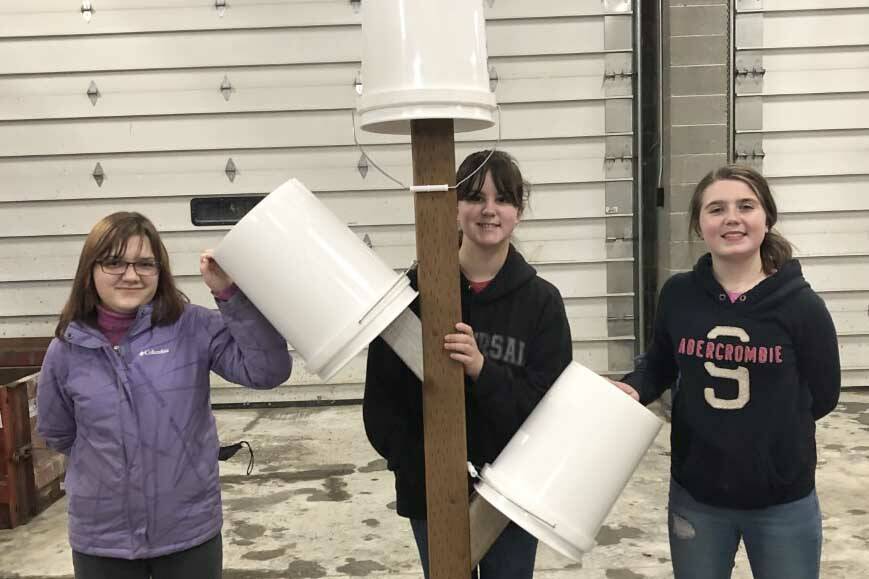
226,293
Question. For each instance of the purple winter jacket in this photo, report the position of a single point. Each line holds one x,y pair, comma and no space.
136,422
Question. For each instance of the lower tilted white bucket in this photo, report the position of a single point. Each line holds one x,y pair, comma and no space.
562,472
318,284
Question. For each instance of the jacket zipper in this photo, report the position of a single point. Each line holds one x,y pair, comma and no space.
123,378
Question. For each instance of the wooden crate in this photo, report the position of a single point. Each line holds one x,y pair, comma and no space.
30,473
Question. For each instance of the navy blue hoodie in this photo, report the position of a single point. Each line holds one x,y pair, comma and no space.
749,380
521,329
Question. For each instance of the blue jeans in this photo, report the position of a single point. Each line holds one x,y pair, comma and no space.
510,557
782,541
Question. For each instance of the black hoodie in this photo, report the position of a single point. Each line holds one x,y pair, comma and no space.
749,380
522,331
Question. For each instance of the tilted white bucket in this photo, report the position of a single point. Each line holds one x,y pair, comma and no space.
424,60
318,284
562,472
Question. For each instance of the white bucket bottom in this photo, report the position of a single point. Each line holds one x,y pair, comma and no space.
542,530
391,112
317,283
566,466
345,345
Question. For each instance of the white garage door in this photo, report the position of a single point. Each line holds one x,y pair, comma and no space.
106,106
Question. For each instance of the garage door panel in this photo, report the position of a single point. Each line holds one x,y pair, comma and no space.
63,18
275,88
816,244
828,193
791,5
330,168
55,257
854,377
814,112
163,132
589,279
28,326
837,273
804,28
53,18
804,71
850,311
842,222
208,48
305,129
853,350
281,46
173,214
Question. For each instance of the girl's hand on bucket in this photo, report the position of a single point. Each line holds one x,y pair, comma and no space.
212,274
627,389
463,348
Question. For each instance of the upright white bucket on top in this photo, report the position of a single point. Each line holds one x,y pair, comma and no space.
424,60
318,284
563,470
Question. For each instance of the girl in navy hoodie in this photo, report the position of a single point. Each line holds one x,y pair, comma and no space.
513,341
751,355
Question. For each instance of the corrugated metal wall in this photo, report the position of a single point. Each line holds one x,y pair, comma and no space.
107,106
802,116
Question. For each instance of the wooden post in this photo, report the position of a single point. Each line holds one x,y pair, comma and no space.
404,335
443,391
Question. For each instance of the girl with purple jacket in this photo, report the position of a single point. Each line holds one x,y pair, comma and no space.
124,392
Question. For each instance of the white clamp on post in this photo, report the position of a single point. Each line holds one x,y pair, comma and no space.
472,470
429,188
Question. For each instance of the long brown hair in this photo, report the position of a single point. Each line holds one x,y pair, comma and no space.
775,250
108,238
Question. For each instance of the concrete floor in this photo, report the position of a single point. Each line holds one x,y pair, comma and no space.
320,504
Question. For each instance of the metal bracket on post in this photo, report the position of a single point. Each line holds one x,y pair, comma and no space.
220,5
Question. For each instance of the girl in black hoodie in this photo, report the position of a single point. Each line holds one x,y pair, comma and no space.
751,354
513,341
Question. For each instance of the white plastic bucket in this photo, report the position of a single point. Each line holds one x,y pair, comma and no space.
318,284
562,472
424,60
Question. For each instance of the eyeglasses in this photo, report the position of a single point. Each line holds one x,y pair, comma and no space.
115,266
